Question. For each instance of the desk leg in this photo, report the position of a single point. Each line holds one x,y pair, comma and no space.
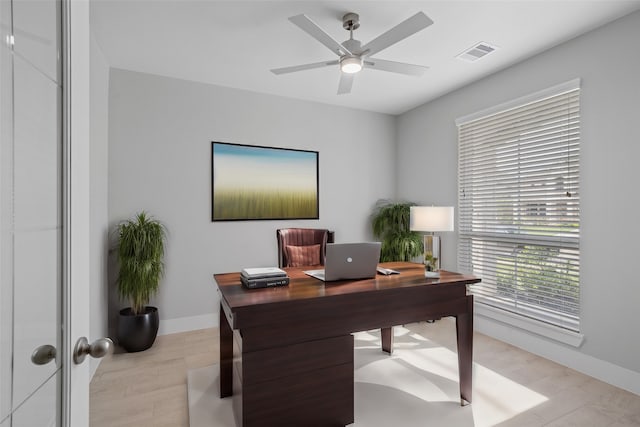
226,356
464,333
387,339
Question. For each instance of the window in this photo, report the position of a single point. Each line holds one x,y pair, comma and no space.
519,205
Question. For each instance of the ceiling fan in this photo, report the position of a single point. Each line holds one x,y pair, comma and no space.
352,55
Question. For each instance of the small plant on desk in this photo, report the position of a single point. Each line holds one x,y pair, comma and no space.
430,262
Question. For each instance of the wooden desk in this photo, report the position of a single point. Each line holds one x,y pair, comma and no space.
295,348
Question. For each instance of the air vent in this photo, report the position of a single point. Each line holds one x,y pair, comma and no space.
476,52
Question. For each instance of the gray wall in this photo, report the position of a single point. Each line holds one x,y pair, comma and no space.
99,223
160,133
608,62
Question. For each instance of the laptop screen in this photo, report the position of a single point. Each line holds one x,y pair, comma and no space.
349,261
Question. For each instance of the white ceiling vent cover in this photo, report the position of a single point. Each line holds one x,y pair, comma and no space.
476,52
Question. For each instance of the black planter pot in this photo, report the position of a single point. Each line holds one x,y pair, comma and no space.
137,332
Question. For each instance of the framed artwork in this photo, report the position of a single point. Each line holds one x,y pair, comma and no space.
251,182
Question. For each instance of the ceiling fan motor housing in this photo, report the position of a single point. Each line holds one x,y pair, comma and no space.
354,46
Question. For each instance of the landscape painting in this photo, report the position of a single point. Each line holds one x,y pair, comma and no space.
255,183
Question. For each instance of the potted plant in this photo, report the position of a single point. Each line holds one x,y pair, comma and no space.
390,223
140,260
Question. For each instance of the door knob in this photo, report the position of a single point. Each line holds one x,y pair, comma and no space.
43,354
97,349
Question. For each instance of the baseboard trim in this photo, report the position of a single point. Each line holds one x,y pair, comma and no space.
570,357
185,324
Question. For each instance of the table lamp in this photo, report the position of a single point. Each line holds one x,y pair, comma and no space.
431,219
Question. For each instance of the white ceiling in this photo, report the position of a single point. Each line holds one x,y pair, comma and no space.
236,43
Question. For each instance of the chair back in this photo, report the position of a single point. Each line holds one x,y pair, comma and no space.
302,237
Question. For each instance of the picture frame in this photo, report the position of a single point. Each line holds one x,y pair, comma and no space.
253,182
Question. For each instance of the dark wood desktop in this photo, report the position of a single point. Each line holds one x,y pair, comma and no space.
294,349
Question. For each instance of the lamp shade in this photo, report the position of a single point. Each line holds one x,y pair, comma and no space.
431,218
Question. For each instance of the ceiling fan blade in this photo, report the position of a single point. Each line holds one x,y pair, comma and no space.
395,67
346,82
307,25
417,22
295,68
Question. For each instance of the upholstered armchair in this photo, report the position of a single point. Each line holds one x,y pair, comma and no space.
302,246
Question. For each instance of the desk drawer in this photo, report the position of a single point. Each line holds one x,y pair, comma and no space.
291,360
322,398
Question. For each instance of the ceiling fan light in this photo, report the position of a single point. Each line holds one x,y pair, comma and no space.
351,64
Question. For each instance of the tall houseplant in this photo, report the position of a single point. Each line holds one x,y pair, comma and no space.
390,223
141,267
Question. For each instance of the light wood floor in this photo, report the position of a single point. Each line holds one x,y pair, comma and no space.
150,388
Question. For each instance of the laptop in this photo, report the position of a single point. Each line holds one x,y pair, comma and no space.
346,261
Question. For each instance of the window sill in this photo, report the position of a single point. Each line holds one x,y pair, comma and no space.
574,339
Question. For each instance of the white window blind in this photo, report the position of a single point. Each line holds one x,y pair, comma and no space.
519,205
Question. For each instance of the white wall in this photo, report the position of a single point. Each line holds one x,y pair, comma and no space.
99,222
608,62
160,133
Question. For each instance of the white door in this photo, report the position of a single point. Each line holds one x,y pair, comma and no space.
44,214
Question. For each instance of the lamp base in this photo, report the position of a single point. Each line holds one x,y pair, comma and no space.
432,274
